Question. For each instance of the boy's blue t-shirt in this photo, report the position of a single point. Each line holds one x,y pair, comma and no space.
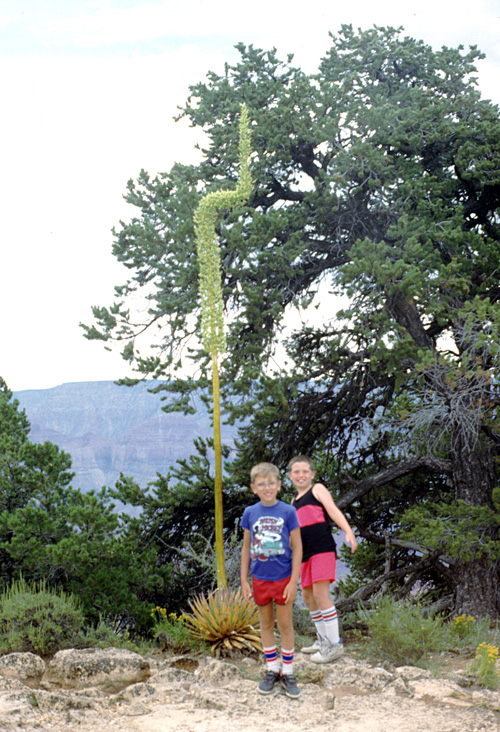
270,550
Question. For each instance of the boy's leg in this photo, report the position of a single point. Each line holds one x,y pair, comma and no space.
266,618
285,626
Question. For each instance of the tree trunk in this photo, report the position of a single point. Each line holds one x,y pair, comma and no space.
476,582
476,588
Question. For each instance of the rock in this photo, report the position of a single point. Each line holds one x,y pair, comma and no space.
217,672
97,690
23,666
16,700
97,666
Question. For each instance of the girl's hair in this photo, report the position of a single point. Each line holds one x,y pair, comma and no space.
266,470
300,459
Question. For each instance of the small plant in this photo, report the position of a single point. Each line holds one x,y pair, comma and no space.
484,666
226,621
465,633
401,633
36,619
104,635
172,631
462,625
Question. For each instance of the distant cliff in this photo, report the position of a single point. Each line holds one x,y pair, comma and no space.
109,429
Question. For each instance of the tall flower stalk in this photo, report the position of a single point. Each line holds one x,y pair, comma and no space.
212,309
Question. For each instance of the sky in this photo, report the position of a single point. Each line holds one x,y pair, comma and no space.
89,90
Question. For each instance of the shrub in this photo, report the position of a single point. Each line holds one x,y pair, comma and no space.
401,632
37,619
173,631
461,626
466,633
484,666
226,621
105,635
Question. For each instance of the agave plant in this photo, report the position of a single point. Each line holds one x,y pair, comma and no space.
226,621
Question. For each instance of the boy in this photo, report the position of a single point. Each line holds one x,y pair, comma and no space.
272,552
315,507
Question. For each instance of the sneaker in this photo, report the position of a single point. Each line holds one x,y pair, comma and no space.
269,682
289,684
316,646
328,652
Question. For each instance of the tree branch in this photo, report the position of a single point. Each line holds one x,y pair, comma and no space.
403,468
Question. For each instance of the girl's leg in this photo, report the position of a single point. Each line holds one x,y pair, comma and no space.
323,600
316,615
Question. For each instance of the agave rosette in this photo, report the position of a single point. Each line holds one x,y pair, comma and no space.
226,621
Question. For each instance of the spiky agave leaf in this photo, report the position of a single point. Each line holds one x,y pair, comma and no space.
226,621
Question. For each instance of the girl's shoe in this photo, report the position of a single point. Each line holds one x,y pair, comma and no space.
328,652
316,646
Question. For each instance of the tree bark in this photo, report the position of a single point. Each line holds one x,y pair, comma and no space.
476,584
476,589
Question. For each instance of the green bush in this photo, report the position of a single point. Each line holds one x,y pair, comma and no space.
37,619
401,632
105,635
466,633
484,666
173,632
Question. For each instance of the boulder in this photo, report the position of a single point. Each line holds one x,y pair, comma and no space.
25,667
96,667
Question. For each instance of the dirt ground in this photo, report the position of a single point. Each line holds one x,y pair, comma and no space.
191,695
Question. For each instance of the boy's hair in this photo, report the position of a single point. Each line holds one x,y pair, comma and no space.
264,469
300,459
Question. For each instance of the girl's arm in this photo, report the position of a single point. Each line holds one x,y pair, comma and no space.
322,494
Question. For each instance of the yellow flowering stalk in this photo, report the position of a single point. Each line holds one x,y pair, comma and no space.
212,311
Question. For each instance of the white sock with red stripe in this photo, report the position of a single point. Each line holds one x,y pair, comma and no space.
287,661
331,624
317,618
271,655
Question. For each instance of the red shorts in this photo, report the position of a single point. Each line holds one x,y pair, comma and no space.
265,591
318,568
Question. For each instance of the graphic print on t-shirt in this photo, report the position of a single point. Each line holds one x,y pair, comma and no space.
267,538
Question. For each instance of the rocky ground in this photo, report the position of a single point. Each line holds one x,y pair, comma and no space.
97,691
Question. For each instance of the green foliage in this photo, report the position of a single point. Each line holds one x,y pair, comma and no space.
401,632
175,527
457,529
484,666
461,626
39,620
376,178
108,634
173,632
465,633
226,622
74,541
